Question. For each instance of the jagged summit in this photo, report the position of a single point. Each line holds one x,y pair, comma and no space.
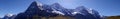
34,3
34,6
38,3
57,5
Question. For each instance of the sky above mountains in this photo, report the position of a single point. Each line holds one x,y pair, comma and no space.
104,7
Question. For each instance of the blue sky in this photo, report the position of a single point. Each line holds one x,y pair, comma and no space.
104,7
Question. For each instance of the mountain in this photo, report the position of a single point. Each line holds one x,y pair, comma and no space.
34,10
0,18
9,16
87,13
56,11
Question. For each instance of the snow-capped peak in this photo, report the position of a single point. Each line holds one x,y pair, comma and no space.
57,6
39,4
9,15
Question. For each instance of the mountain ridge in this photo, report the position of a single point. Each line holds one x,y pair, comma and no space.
56,10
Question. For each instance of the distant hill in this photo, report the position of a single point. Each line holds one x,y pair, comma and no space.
113,17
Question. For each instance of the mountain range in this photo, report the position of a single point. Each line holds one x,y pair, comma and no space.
38,11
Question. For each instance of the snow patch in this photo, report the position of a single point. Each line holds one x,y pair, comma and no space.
74,13
90,11
9,15
58,12
39,4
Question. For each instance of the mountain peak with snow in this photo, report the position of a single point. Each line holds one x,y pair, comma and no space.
9,15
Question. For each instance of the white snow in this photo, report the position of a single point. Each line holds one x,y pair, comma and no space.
40,5
58,12
90,11
74,13
9,15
